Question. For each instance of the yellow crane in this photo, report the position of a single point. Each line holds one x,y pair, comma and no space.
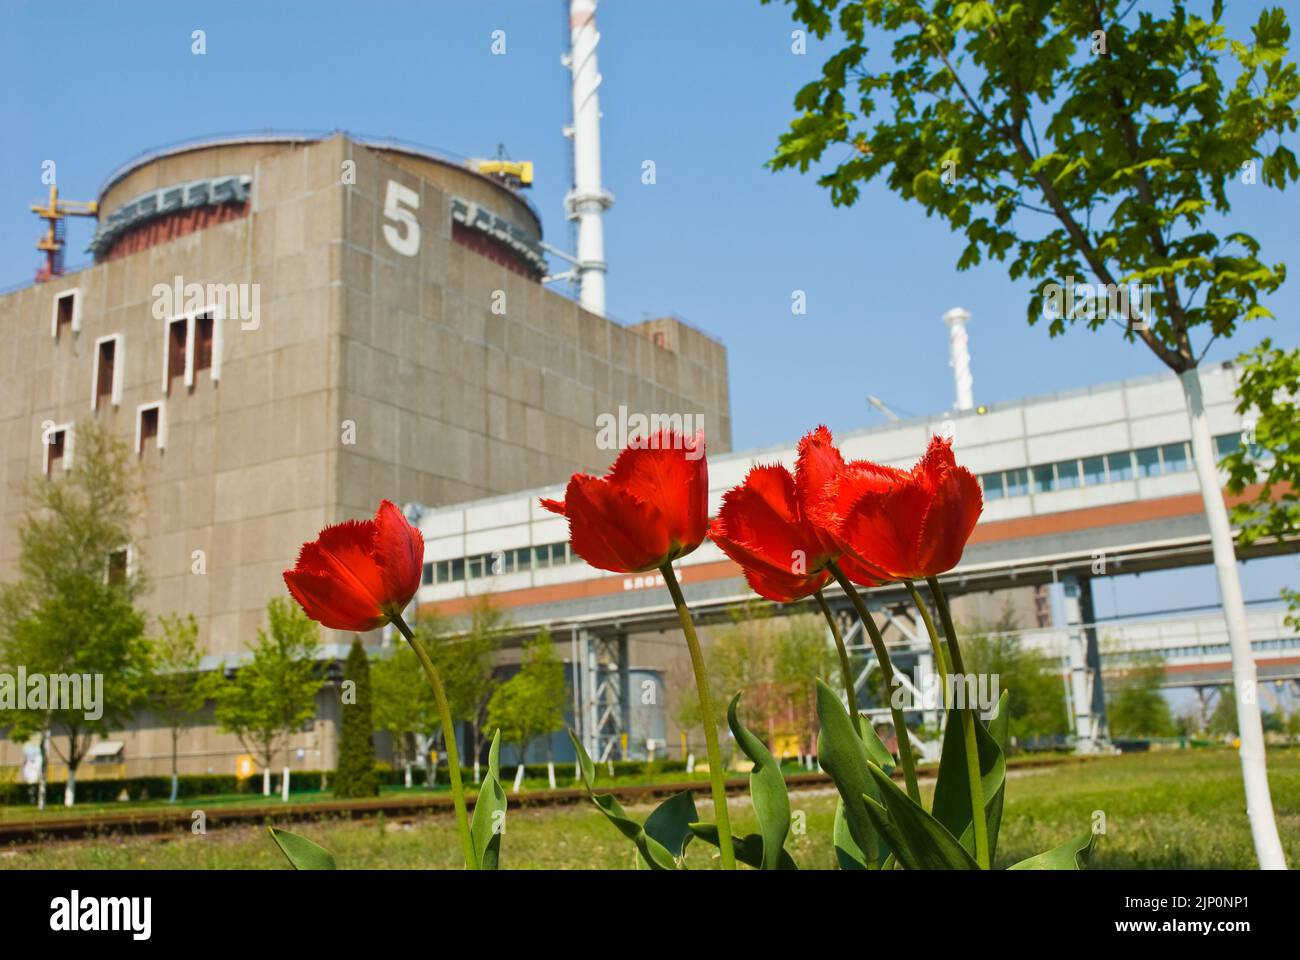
52,243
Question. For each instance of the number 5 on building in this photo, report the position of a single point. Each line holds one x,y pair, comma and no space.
399,204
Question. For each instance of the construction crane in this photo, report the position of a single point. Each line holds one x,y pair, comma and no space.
52,242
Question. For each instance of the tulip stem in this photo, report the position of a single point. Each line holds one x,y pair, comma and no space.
710,719
940,658
887,669
846,669
449,736
978,817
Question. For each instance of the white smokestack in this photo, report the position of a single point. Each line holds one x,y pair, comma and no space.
588,200
959,356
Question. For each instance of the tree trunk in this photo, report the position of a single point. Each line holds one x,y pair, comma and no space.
175,778
70,788
42,778
1259,805
266,780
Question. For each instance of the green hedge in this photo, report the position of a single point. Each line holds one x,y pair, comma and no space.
301,781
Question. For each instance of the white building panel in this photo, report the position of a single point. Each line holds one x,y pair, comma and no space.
1084,442
1152,431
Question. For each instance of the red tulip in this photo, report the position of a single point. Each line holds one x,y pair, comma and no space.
818,471
650,509
762,527
907,525
359,574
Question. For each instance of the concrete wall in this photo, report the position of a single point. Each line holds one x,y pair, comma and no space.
446,399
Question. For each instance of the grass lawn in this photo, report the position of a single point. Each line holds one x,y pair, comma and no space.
1181,810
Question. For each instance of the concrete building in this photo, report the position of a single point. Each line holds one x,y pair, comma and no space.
1078,485
289,329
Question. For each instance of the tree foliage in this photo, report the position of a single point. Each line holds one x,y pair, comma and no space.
178,690
1078,138
1036,705
1136,705
355,775
71,611
531,703
1268,393
273,695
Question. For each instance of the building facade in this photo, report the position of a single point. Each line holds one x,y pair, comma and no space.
287,330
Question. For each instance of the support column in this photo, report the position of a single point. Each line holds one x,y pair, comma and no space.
1067,614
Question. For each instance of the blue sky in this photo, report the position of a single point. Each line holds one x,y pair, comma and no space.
701,88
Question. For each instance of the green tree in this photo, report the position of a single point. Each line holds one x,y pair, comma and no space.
804,653
1084,140
355,776
1268,394
404,705
274,694
466,663
1136,704
179,689
1036,701
1223,721
70,617
531,703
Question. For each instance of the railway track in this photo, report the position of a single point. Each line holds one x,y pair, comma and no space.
17,834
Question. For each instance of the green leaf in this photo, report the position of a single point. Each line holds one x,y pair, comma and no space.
951,805
301,852
877,752
670,822
919,840
490,812
767,787
749,848
653,853
847,854
1073,855
843,755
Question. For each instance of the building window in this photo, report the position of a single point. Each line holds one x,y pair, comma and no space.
1094,471
542,557
1120,465
992,483
204,324
1227,443
458,570
559,554
1067,474
177,358
58,449
1044,478
1148,461
523,559
66,313
1017,482
106,382
150,428
1175,457
426,576
119,567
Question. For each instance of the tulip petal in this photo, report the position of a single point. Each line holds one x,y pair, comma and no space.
613,530
670,473
324,601
761,524
398,553
883,530
784,588
818,462
954,510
